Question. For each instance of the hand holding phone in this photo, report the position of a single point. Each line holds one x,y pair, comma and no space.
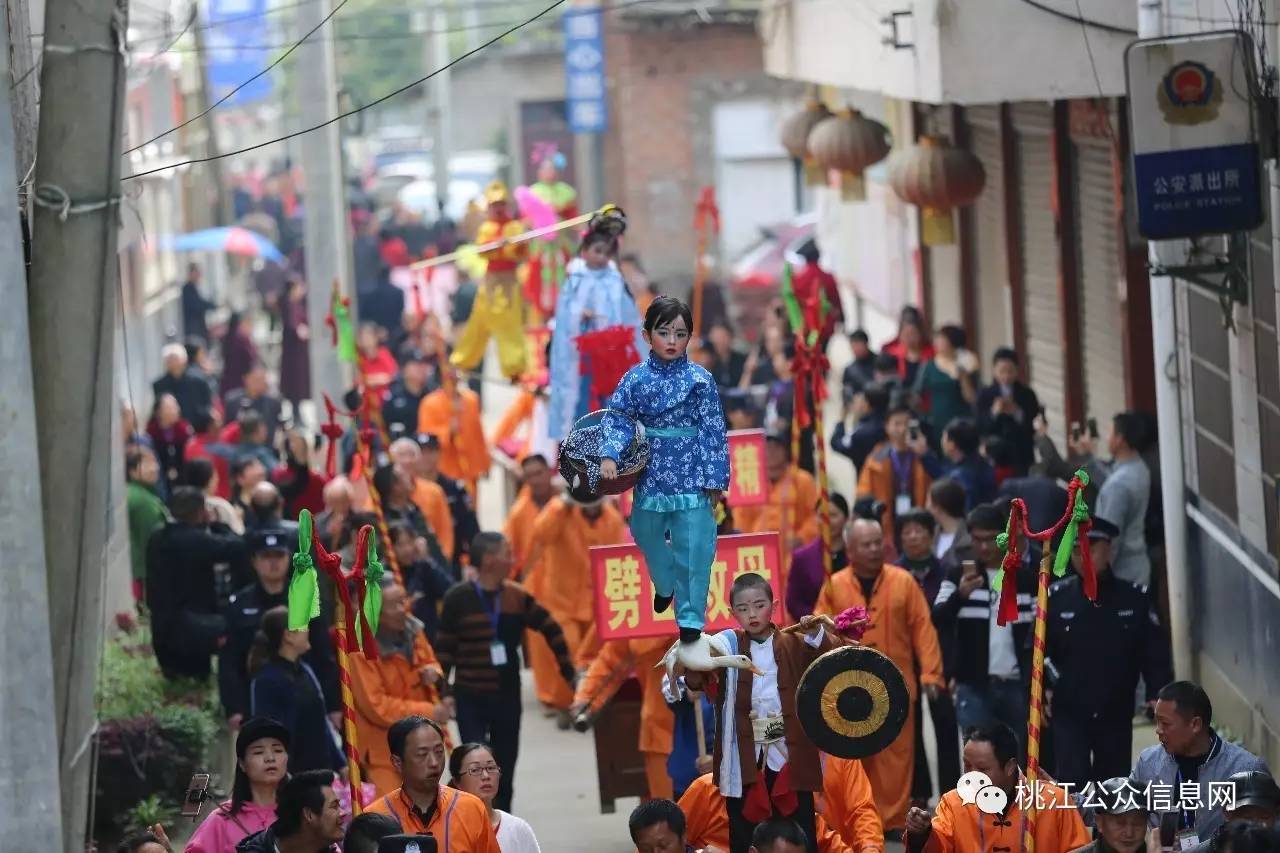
197,793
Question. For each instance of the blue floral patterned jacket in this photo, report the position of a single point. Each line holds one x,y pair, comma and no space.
679,405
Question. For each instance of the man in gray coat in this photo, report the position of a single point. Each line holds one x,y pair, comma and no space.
1192,762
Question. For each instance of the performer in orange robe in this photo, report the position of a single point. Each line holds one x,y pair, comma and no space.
563,533
791,508
610,669
523,427
849,805
902,628
708,821
894,474
534,495
398,684
454,419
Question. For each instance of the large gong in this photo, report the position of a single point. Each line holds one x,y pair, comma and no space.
852,702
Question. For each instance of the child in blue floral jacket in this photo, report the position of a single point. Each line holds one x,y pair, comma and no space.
688,470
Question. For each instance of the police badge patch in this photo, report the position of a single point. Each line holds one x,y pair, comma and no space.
1190,93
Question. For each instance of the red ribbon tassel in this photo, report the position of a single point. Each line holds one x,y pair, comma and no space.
1008,611
809,367
331,565
1088,571
361,581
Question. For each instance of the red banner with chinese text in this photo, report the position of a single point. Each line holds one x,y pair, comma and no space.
624,592
747,483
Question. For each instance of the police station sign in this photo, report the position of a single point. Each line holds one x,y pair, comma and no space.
1195,153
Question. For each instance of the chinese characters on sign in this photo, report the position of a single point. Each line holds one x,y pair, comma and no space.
624,592
747,484
584,70
1154,796
1195,153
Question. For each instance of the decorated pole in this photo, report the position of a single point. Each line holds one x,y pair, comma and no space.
523,237
304,605
1074,526
824,491
348,709
706,221
1037,696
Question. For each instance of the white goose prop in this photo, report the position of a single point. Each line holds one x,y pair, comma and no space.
703,655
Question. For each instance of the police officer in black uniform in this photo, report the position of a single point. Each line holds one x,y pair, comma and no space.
417,379
1095,652
269,551
461,507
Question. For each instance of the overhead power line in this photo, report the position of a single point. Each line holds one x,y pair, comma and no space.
362,108
226,97
1080,19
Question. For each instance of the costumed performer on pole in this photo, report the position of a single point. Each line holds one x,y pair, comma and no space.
548,257
498,309
688,470
594,297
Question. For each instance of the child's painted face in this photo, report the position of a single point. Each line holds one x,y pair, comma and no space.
754,610
669,340
596,255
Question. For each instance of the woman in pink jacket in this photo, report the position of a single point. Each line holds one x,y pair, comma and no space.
262,754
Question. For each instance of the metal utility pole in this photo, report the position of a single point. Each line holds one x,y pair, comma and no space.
29,737
1164,337
72,307
440,109
327,241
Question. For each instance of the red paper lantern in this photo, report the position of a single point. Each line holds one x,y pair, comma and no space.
936,176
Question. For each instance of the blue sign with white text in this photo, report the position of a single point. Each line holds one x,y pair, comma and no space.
584,70
231,24
1198,191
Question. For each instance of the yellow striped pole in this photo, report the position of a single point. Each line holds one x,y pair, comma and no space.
1037,695
348,709
824,492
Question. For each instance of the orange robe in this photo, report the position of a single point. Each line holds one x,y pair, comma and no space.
459,822
901,628
563,534
791,509
548,683
385,690
876,479
431,500
707,820
612,666
958,828
849,804
464,455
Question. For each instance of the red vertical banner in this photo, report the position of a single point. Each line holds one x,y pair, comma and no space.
747,483
624,591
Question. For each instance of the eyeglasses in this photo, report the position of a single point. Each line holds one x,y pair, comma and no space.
482,770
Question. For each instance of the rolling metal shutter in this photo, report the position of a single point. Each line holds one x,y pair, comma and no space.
1045,357
1101,279
990,263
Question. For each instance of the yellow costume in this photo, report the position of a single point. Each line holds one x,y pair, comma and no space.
498,308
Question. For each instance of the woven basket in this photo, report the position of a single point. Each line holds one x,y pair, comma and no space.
583,442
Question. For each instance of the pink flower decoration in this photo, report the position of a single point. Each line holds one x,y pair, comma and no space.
852,623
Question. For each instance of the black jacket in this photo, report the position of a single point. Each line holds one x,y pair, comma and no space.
400,411
857,443
244,615
425,577
186,567
1018,432
966,626
930,575
194,309
192,391
858,374
1099,649
265,842
463,511
290,693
